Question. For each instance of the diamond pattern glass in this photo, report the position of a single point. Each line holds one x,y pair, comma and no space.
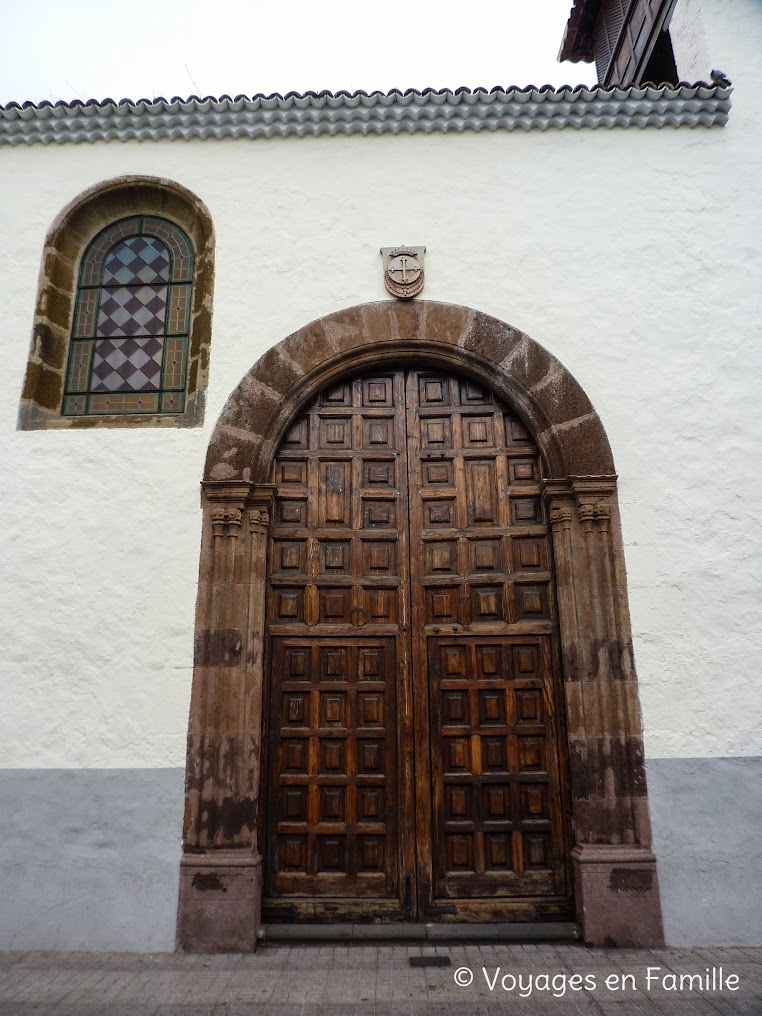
139,259
130,311
128,303
127,365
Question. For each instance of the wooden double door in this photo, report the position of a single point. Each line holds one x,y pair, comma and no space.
413,769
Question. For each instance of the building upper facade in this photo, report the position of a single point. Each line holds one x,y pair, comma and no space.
636,41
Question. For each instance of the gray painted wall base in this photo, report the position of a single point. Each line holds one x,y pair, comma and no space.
707,826
90,858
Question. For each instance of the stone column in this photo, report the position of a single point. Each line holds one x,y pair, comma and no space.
615,878
220,873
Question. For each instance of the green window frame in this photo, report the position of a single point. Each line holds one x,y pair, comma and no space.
129,346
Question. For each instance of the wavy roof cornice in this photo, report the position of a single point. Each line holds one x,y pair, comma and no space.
316,113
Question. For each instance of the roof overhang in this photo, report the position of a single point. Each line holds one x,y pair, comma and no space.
577,43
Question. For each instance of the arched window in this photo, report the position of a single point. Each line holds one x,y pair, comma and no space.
122,325
129,340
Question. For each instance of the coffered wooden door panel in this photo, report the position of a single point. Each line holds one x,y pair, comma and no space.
413,767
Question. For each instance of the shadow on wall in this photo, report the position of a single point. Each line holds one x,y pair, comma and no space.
707,829
89,859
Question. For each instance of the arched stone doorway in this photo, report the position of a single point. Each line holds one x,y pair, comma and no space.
614,871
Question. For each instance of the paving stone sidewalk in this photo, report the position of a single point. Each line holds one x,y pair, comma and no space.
370,980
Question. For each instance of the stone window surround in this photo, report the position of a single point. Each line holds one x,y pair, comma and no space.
67,240
616,886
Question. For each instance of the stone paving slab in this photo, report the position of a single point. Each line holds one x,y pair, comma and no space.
335,979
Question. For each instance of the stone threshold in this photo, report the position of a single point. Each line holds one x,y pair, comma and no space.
551,931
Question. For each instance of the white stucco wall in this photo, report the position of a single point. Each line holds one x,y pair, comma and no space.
689,43
634,256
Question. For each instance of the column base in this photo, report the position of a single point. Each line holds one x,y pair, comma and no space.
617,892
220,902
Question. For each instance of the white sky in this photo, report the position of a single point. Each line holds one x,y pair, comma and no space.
66,49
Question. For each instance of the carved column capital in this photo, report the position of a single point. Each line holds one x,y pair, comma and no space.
586,514
227,500
603,517
595,512
259,520
259,503
561,516
226,521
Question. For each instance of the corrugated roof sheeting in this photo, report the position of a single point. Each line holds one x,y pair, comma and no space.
395,112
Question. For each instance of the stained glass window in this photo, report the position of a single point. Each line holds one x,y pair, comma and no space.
129,341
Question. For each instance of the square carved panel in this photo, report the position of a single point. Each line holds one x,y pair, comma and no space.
437,474
494,755
288,605
434,391
290,556
436,432
335,605
457,802
297,660
334,663
478,431
489,661
292,853
523,470
526,511
331,853
454,662
516,432
296,707
457,754
370,853
531,602
297,435
332,804
380,606
441,558
377,392
370,709
498,854
438,513
443,605
291,471
487,603
378,473
496,801
336,432
379,514
378,433
334,557
485,556
332,758
293,804
371,756
333,709
460,852
529,553
291,513
370,804
370,664
454,708
472,394
337,395
379,558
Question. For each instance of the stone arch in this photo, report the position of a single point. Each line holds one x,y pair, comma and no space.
615,873
525,374
66,241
